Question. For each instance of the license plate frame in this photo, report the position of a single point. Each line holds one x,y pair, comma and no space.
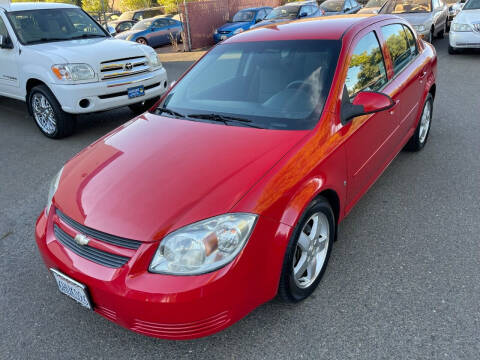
72,288
136,91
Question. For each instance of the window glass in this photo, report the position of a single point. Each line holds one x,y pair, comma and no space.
124,26
3,29
260,15
411,40
138,16
347,5
332,5
354,3
367,68
398,46
172,22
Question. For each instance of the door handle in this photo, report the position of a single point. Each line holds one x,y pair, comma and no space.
392,109
423,74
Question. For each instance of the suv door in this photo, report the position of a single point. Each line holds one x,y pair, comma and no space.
9,74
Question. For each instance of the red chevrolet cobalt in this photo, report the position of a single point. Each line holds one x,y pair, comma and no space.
230,190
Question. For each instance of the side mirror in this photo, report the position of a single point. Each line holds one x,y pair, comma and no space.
366,102
111,30
5,42
303,14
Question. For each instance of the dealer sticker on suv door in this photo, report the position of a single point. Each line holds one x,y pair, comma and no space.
72,288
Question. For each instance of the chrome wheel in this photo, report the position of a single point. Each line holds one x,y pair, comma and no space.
43,113
425,122
311,250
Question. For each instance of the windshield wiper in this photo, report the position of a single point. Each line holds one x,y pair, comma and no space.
223,118
160,110
86,36
42,40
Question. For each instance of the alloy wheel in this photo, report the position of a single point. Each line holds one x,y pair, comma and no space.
425,122
43,113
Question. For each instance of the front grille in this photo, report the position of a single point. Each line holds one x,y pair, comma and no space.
93,254
101,236
124,93
114,69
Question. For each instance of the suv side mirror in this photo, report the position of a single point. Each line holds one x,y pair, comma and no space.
5,42
366,102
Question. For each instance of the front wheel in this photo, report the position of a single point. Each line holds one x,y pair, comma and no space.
308,252
430,36
141,107
420,136
142,41
452,50
52,121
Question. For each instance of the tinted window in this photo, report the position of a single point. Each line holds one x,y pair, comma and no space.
412,43
284,12
160,23
138,16
397,45
172,22
348,5
354,3
367,68
333,5
260,14
124,26
274,84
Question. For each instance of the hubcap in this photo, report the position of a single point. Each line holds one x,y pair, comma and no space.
43,113
311,250
425,122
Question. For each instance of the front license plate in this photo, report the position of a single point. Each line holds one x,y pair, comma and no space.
72,288
223,37
136,92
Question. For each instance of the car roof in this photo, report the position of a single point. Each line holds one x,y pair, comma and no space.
37,6
255,8
325,27
297,3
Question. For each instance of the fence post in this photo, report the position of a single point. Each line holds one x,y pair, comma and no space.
187,21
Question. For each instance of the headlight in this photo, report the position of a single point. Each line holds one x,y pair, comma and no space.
215,32
153,60
461,27
204,246
73,72
238,31
419,28
52,190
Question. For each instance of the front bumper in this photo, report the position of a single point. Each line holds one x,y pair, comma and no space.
467,39
109,94
220,37
167,306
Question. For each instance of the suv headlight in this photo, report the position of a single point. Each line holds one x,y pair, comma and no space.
461,27
153,60
52,190
419,28
73,72
238,31
203,246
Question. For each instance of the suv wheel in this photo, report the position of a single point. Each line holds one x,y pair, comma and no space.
52,121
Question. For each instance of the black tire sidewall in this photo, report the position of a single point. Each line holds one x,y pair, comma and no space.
288,289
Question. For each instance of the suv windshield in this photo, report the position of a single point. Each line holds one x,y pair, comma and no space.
284,12
40,26
407,6
472,5
272,85
243,16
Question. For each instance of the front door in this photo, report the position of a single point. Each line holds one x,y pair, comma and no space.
9,76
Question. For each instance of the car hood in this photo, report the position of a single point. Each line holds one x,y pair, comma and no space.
156,174
124,35
234,26
370,10
417,18
468,16
83,51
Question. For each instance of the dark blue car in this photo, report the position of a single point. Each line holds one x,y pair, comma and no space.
292,11
243,20
154,32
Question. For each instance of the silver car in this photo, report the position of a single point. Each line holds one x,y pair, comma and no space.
428,17
465,29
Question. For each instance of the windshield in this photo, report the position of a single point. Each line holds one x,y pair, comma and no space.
243,16
143,25
283,12
332,6
40,26
472,5
374,3
407,6
272,85
126,15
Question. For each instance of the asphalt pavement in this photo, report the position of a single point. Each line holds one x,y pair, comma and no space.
403,281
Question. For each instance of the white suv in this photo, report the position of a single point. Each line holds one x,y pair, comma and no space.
61,62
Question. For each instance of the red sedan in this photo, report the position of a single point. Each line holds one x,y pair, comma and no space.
231,189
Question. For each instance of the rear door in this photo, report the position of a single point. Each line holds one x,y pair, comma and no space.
9,75
160,32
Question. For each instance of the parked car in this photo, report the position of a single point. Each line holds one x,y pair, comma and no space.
291,11
465,29
122,25
62,63
428,17
138,15
241,21
340,7
287,128
154,32
454,7
372,7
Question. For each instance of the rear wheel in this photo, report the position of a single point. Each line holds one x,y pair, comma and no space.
141,107
52,121
420,136
308,252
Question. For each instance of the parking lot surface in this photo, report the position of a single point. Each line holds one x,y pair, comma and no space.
403,281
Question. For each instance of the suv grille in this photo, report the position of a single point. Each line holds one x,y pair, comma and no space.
114,69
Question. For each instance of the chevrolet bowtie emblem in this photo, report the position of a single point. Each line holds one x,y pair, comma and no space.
81,239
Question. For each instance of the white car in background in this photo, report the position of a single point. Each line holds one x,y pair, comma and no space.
62,63
465,29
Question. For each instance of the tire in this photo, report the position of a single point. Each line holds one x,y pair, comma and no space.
452,50
142,41
297,284
52,121
430,36
141,107
420,136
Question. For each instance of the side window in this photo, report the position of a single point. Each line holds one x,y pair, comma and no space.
260,15
3,28
411,41
367,68
397,45
124,26
354,3
347,5
138,16
171,22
